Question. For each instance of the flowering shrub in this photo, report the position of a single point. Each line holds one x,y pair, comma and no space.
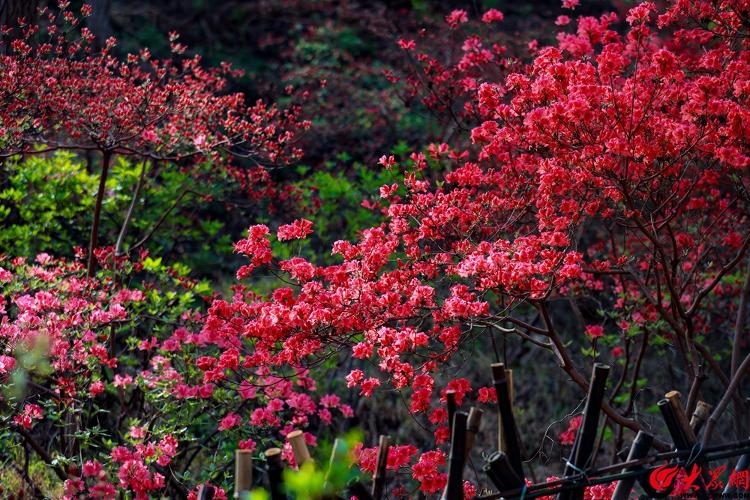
596,169
139,356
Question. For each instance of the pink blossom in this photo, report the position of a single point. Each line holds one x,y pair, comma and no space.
299,229
230,421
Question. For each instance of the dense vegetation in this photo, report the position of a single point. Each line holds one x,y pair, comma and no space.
224,222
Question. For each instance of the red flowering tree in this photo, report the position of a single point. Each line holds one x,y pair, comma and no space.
58,92
612,169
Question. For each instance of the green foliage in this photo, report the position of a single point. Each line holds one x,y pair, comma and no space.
335,193
312,481
47,203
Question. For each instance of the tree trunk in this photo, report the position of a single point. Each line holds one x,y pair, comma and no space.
94,238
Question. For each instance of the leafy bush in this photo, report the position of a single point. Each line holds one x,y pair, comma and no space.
47,201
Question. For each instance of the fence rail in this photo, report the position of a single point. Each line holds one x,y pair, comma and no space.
504,467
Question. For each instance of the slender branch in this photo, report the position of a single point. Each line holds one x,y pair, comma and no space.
724,270
41,452
566,363
728,395
163,218
93,239
739,326
739,333
129,214
695,388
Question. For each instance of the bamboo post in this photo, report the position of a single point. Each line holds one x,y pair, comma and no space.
639,449
512,441
243,472
301,454
206,492
275,474
586,436
700,415
501,444
454,490
674,399
378,479
472,428
501,473
673,426
450,400
680,436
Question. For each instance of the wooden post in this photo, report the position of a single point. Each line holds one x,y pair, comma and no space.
301,455
700,415
501,473
639,449
206,492
378,479
275,474
681,438
450,400
472,428
586,435
501,444
243,472
512,441
674,399
673,426
454,490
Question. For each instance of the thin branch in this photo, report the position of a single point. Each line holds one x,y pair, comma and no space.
728,395
163,218
724,270
129,214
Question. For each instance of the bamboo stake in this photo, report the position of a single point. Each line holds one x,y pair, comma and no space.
500,471
243,472
450,400
674,399
206,492
301,454
378,479
501,444
512,442
639,449
586,436
700,415
275,474
680,437
454,490
472,428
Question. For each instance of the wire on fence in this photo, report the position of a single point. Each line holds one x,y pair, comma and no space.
597,476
